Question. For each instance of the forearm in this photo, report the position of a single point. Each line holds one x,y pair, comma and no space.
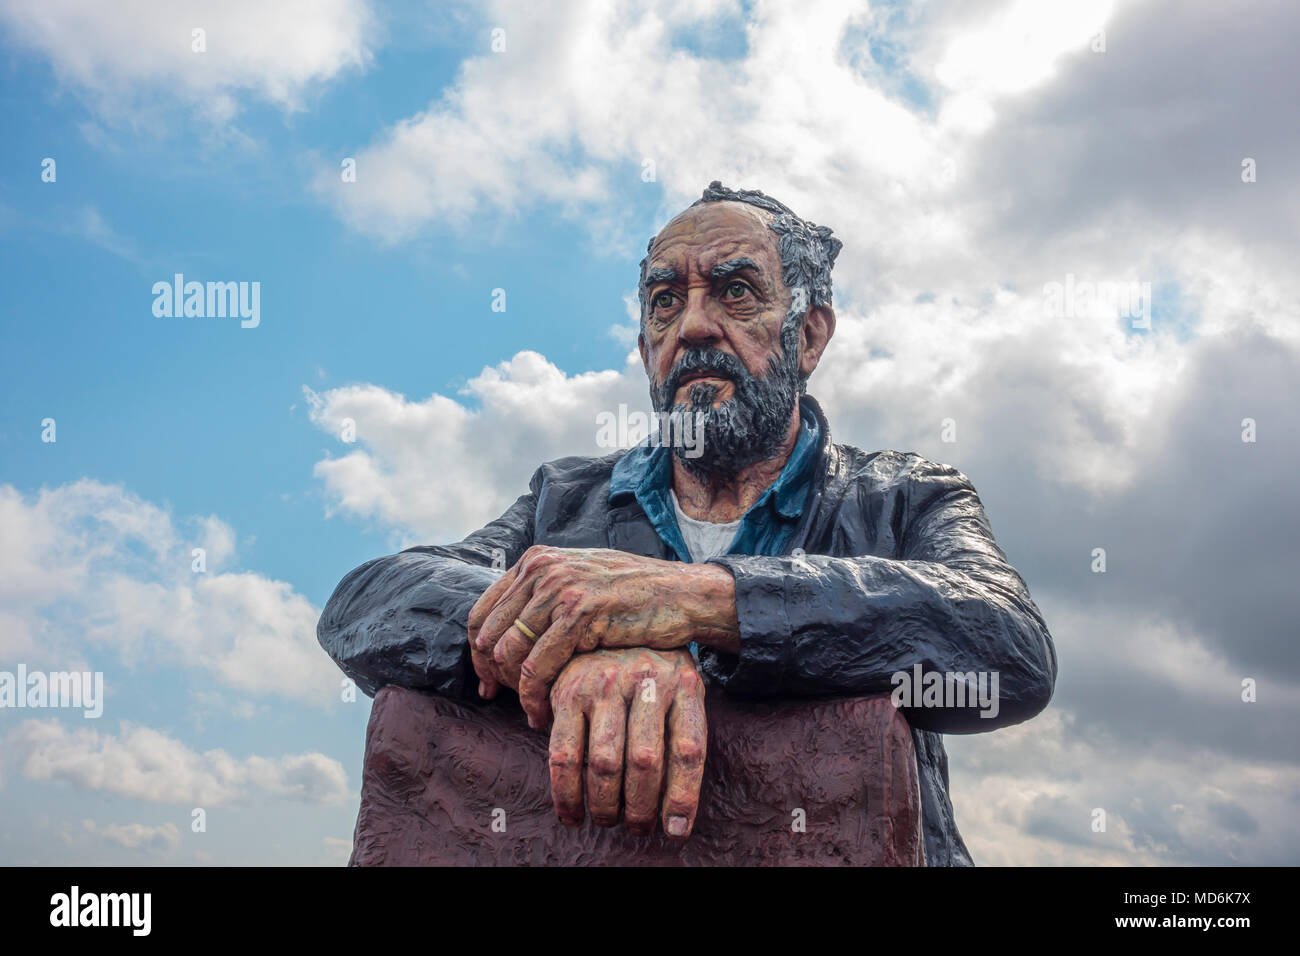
401,620
826,626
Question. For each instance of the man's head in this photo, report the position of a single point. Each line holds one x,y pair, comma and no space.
735,314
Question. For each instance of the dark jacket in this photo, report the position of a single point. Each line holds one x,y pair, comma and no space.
894,566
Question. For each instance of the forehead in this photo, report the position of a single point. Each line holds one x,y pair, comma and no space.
705,235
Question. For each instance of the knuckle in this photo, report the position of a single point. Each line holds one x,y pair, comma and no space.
543,557
689,752
528,561
605,764
644,757
565,758
570,595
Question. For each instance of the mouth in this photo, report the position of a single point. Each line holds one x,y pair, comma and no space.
701,376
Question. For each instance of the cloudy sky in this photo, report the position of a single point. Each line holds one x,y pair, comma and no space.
978,159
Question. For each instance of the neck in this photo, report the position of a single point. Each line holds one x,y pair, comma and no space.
723,498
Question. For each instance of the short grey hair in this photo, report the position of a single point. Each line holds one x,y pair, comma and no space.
807,250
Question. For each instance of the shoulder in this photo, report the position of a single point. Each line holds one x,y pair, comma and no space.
887,471
576,470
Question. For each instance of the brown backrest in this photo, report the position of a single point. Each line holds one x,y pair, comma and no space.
438,773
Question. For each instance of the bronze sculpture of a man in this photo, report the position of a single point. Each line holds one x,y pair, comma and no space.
766,560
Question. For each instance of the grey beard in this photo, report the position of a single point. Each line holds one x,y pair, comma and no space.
747,428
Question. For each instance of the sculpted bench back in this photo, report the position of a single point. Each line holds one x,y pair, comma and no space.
439,773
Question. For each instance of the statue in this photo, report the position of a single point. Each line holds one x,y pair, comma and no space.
855,600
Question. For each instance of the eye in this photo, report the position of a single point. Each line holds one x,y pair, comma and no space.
663,300
735,290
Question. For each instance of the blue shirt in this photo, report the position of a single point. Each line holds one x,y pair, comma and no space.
646,472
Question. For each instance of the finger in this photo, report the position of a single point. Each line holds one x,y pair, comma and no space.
687,742
489,676
605,759
488,599
568,734
644,776
510,653
553,650
510,605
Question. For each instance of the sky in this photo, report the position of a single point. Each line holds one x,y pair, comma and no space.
1070,236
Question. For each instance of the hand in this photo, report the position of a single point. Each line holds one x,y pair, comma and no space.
576,600
609,704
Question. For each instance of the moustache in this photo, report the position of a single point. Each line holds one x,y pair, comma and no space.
705,360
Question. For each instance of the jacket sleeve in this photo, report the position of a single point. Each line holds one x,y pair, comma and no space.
845,626
403,619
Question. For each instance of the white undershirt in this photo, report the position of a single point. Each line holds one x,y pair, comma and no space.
704,539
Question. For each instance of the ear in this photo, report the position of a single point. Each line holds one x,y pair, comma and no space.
814,332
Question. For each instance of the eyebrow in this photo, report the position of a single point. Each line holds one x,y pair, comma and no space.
655,276
729,268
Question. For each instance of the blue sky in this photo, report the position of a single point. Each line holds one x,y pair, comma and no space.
200,416
167,406
967,155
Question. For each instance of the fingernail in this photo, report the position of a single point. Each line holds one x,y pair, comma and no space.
677,826
482,689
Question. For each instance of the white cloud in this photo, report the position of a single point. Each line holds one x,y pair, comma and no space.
162,838
133,52
89,570
1025,158
1017,47
534,124
1026,796
145,764
437,468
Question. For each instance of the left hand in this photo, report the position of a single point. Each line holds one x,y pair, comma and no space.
633,723
579,599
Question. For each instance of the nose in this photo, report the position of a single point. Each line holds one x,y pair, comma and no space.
700,324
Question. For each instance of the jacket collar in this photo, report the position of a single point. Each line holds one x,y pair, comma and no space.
644,474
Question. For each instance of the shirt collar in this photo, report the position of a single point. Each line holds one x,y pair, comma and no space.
646,471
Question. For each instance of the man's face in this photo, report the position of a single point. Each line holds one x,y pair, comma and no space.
712,342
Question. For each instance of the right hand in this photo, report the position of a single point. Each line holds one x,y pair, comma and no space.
643,705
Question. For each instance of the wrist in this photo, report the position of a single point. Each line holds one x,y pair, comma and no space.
709,601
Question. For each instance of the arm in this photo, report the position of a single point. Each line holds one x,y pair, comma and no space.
402,619
830,626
